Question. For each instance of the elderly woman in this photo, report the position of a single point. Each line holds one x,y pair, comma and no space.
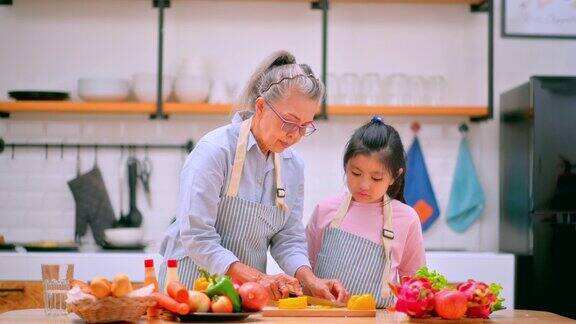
242,189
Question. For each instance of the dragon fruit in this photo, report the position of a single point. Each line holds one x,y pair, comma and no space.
415,297
482,299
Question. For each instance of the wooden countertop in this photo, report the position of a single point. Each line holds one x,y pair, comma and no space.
505,316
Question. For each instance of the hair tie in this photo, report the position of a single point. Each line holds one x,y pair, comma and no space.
377,120
311,76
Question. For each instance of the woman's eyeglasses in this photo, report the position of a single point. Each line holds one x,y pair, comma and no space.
289,127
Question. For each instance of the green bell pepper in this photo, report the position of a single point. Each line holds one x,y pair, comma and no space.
222,285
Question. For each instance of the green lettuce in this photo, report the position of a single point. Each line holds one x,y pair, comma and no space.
437,280
496,289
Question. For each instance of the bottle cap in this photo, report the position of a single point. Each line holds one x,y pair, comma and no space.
148,263
172,263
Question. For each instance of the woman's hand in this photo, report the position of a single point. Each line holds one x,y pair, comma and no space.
281,286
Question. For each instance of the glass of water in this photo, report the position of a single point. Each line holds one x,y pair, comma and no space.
56,279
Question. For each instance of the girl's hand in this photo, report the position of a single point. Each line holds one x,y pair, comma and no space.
330,289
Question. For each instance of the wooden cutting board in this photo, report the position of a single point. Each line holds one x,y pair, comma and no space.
272,311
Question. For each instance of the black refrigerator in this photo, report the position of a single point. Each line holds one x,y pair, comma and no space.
538,191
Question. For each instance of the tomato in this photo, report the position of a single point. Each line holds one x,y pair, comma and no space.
221,304
198,302
450,304
254,296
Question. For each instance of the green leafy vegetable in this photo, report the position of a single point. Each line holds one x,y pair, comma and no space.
437,280
495,289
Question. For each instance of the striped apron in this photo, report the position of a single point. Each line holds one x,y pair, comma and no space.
245,227
360,264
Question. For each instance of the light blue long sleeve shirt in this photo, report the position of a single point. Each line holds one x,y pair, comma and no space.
203,182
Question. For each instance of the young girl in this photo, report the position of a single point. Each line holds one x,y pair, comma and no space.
368,236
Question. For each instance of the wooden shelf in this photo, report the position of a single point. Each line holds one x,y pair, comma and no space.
109,107
454,2
210,109
467,111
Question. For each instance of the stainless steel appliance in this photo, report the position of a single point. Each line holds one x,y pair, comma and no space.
537,190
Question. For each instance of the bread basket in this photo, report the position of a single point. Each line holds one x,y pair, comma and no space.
111,309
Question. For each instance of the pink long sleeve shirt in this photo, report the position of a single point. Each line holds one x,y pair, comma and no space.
366,220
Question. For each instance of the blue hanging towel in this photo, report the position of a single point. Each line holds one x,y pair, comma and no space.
418,191
467,198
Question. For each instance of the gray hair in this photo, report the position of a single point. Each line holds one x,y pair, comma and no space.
275,77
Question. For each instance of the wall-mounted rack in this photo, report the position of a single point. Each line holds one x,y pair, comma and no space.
187,147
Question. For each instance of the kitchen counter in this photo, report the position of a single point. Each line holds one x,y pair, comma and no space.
456,266
33,316
25,266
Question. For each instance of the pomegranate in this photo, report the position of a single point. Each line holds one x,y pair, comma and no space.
450,304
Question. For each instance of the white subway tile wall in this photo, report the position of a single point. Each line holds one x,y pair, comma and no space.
38,205
378,37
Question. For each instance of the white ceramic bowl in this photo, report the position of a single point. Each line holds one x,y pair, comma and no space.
145,87
103,89
124,236
192,89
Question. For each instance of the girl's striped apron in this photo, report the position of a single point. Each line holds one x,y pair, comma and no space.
245,227
361,265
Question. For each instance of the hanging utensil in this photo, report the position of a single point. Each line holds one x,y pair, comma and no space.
121,172
134,217
144,173
77,160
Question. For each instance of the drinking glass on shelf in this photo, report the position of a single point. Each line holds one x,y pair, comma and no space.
56,279
436,90
416,90
333,91
349,88
397,89
370,89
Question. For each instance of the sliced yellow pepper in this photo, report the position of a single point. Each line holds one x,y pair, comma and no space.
293,303
361,302
200,284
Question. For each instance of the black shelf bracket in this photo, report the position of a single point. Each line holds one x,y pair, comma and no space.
324,6
488,6
156,3
482,6
159,114
319,4
6,2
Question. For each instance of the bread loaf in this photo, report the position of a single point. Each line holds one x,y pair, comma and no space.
121,285
100,287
